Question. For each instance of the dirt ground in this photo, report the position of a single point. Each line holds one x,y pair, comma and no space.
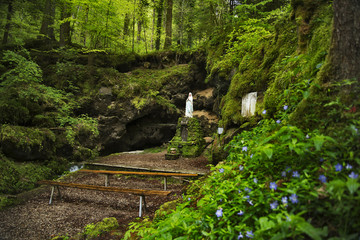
35,219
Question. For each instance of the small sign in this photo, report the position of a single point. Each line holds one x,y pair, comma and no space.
220,130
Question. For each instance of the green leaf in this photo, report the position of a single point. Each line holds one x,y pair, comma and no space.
306,94
268,151
265,224
314,233
318,142
352,185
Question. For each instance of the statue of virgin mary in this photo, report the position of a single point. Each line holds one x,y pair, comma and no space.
189,106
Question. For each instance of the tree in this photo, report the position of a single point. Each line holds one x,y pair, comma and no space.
8,22
65,36
344,55
159,12
47,26
168,24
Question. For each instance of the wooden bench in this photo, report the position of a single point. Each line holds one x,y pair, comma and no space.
141,192
160,174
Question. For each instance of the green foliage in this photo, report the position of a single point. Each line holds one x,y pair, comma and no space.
16,177
92,231
278,182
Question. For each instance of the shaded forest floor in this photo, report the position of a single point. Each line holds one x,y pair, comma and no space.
34,218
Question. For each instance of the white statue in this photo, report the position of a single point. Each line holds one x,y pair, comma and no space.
189,106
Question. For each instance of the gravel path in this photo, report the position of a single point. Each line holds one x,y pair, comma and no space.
35,219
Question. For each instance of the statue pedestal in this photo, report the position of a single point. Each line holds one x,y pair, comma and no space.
188,140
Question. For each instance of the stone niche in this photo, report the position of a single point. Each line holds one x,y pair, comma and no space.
188,140
248,105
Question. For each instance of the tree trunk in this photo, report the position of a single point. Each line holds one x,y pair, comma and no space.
168,24
159,9
153,26
344,55
47,28
8,23
133,27
126,25
83,31
107,23
65,38
139,24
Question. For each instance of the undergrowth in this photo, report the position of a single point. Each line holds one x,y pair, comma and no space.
278,182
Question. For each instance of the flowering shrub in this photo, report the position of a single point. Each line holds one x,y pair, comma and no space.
278,182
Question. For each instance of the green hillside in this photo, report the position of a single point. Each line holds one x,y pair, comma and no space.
92,78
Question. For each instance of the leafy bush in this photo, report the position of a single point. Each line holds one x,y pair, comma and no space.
278,182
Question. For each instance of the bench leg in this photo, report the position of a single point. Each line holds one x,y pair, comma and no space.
52,194
107,183
58,188
165,183
142,205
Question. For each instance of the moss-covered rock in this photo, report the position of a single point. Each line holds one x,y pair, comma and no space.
188,144
92,231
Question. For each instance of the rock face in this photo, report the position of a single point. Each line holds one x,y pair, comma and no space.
125,127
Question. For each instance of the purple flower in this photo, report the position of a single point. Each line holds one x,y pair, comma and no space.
274,205
251,156
338,167
296,174
284,200
307,136
255,180
273,186
189,199
244,149
221,170
240,213
322,178
321,159
353,175
286,107
278,121
247,189
247,197
241,167
348,166
288,169
239,191
264,112
249,234
240,235
219,213
283,174
250,202
288,219
294,198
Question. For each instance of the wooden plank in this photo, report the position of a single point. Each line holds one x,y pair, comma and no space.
119,167
106,189
162,174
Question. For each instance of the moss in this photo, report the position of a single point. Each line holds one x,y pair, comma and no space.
195,143
16,177
27,139
165,210
6,201
92,231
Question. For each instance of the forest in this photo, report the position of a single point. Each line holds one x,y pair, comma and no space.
84,79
